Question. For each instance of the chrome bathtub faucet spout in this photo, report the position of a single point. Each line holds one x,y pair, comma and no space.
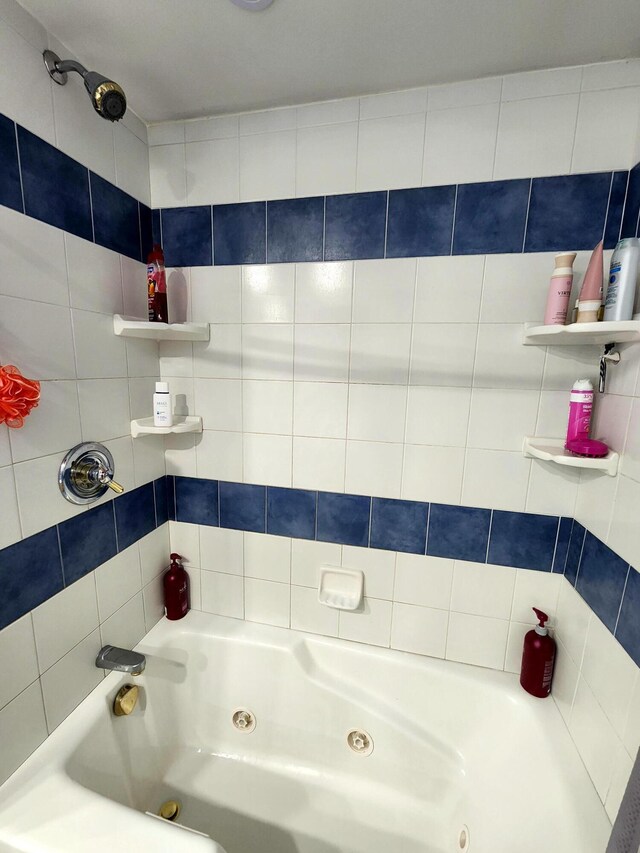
121,660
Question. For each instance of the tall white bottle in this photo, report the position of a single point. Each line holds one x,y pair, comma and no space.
623,279
162,410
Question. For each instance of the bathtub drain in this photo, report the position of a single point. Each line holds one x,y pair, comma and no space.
360,742
244,720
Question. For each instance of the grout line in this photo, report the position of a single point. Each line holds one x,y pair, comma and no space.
453,221
626,580
555,544
370,517
324,226
486,555
386,226
213,244
526,220
64,579
584,539
575,124
315,526
426,535
15,130
495,144
142,259
624,204
115,525
93,227
155,503
266,233
606,214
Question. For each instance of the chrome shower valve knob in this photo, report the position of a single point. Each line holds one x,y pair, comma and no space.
86,472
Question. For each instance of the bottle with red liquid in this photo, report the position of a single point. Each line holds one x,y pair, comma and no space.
157,286
538,658
176,589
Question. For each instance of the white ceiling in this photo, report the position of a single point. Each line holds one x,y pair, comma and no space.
187,58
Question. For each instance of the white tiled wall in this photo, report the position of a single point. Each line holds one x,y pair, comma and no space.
523,125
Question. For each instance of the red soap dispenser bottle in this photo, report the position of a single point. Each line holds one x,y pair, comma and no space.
176,589
538,658
157,286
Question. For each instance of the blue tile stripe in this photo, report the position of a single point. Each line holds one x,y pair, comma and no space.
33,570
520,215
38,567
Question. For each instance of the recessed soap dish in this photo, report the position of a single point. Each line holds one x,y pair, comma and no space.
340,588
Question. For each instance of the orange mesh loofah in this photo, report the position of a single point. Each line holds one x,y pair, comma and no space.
17,396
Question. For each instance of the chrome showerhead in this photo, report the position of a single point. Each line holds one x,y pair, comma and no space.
107,97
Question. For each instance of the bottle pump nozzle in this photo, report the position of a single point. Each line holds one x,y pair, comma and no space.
542,619
176,560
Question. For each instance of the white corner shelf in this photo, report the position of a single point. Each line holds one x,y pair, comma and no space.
144,426
552,450
130,327
583,334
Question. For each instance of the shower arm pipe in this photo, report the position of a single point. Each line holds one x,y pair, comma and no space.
65,65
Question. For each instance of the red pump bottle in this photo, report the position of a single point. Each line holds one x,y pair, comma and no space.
176,589
157,286
538,658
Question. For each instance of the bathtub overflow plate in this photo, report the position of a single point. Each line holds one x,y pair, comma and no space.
464,839
360,742
244,720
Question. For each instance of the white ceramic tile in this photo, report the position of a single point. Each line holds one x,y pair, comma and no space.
553,414
38,494
267,557
35,322
374,468
104,408
95,280
132,164
154,553
565,681
148,460
535,137
177,294
448,289
320,409
482,589
219,403
267,406
595,502
552,491
10,531
319,463
496,479
423,580
393,103
222,594
185,541
118,580
422,630
460,145
153,602
307,614
625,380
53,425
18,660
307,557
380,352
267,351
622,766
631,458
175,359
134,290
213,171
267,602
384,291
220,127
215,295
632,729
268,165
515,643
477,640
528,273
5,448
166,133
432,473
22,729
168,176
33,259
219,455
500,419
610,673
34,112
438,416
125,628
324,292
180,455
267,459
219,357
328,112
70,680
268,293
443,354
538,84
378,567
486,91
562,368
24,24
221,550
283,118
611,417
594,737
195,588
377,412
596,148
611,75
371,624
572,622
623,536
322,352
64,620
99,353
390,152
326,159
502,361
536,589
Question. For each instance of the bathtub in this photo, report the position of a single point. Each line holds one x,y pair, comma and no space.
452,758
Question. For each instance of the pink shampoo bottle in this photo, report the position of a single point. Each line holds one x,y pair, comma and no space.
580,409
560,290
